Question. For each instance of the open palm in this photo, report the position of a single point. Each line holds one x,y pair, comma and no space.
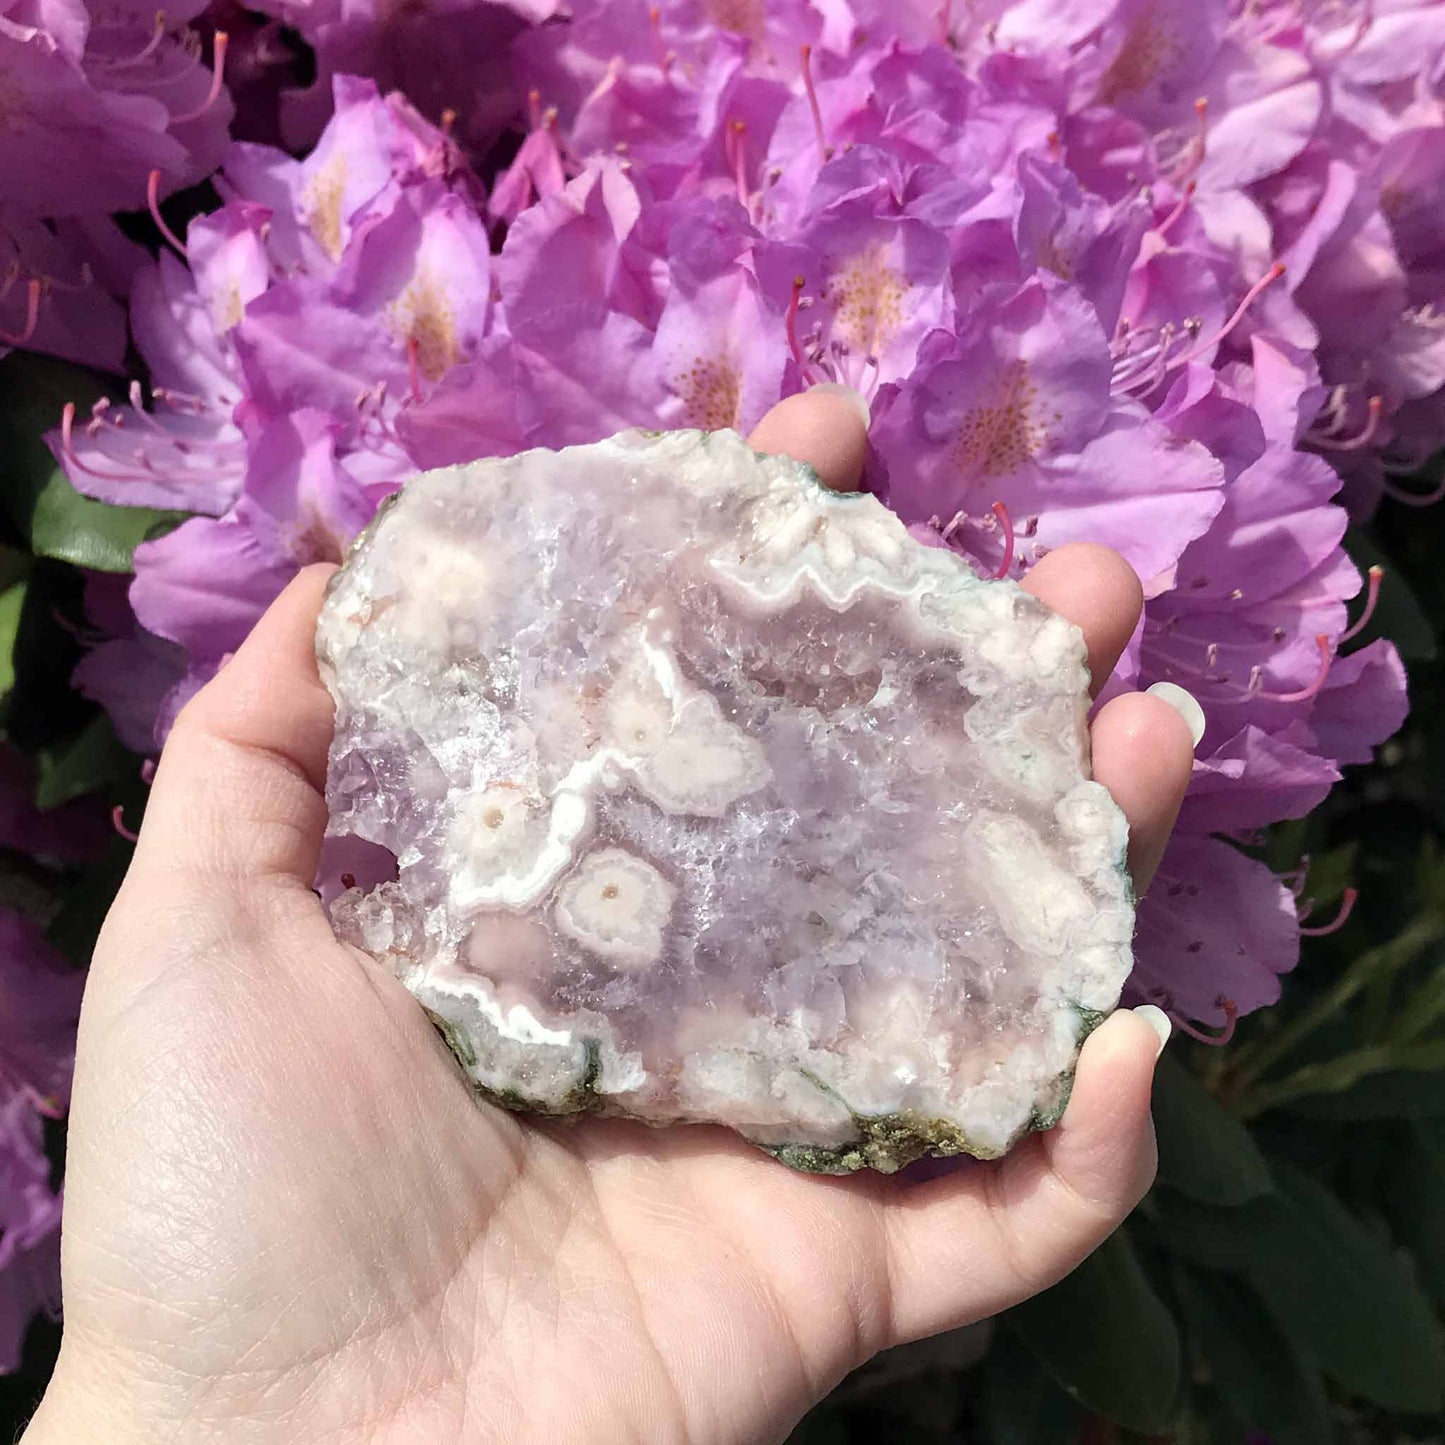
287,1218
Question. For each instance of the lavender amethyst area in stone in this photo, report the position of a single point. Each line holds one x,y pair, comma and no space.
716,797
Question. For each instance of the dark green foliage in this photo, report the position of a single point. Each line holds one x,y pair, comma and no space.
1107,1338
1022,1405
1204,1151
1262,1379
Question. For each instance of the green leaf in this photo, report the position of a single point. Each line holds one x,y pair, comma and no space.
1384,961
1021,1404
1204,1151
1255,1368
1416,1201
1337,1290
48,513
1343,1292
1107,1338
14,567
1398,614
1202,1234
1380,1096
1331,873
93,758
1342,1072
43,705
1422,1009
76,926
12,600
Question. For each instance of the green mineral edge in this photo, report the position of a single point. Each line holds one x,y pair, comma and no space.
885,1143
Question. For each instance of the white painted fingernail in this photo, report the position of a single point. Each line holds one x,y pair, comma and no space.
1184,703
1157,1020
855,399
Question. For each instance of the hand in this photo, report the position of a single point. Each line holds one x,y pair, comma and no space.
288,1219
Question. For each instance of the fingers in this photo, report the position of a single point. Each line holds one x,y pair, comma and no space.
970,1244
826,428
1091,585
1143,748
1143,753
1098,591
238,791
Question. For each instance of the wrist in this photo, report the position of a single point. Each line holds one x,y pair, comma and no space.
101,1403
64,1414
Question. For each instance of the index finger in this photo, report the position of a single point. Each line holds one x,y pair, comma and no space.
239,788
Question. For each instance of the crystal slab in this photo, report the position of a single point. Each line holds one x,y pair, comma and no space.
716,797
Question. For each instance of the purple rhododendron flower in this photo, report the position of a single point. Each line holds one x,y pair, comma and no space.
39,1004
448,59
1162,277
103,106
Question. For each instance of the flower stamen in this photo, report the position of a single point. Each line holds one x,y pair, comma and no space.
1304,694
825,151
158,33
1174,216
32,316
791,323
1376,575
1347,906
1250,297
117,821
153,202
1199,1032
1006,522
218,71
1328,440
1416,499
664,55
737,160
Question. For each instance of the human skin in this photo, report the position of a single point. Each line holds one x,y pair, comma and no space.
288,1220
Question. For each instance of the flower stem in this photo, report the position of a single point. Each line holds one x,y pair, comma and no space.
1388,958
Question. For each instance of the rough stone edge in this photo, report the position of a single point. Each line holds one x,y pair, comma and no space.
888,1142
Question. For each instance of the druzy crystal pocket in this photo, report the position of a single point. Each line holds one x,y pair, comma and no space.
716,797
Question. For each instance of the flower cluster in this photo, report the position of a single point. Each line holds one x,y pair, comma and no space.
448,60
1105,270
99,103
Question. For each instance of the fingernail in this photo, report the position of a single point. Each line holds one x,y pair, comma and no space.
1157,1020
1184,704
855,399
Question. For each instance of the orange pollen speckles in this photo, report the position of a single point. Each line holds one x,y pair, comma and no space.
422,314
711,392
1393,198
1004,431
742,17
867,299
1053,257
321,204
313,541
14,109
229,308
1147,51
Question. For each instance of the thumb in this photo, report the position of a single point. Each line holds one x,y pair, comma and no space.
237,799
1102,1156
984,1238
